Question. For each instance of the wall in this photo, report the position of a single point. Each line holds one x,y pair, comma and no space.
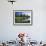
8,31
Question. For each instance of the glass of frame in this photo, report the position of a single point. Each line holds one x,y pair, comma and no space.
22,17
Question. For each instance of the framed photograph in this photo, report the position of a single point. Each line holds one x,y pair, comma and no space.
22,17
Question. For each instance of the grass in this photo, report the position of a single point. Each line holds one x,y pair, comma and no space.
19,19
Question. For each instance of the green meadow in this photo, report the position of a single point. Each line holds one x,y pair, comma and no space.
22,19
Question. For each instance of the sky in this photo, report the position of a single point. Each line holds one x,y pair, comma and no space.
27,13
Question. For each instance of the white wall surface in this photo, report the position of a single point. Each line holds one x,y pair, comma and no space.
37,31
